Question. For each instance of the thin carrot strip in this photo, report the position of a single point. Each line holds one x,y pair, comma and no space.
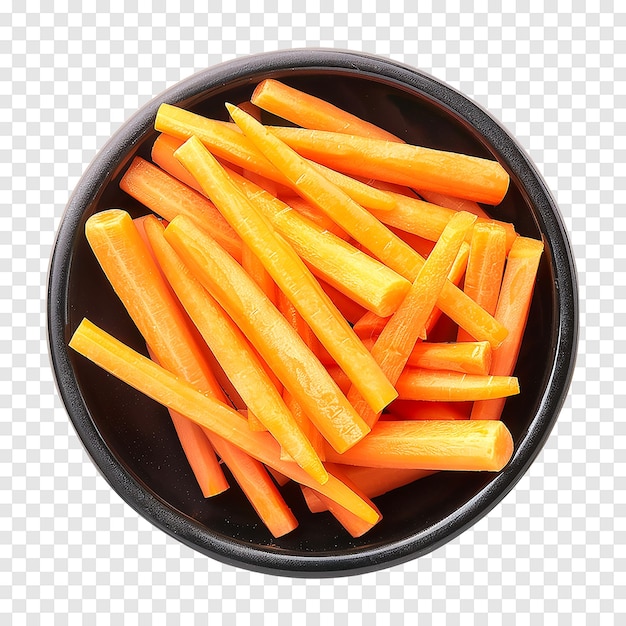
472,178
290,273
256,483
235,355
310,112
276,341
512,309
424,410
162,154
166,196
199,451
355,525
366,228
226,142
444,386
167,389
451,202
393,346
485,267
307,210
359,276
466,445
371,481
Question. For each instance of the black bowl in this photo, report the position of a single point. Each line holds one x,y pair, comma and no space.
131,439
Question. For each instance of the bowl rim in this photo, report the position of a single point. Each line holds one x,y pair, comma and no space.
360,560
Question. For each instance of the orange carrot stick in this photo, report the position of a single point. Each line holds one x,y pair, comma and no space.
276,341
250,262
235,355
397,339
466,445
168,197
359,276
162,154
485,266
512,309
468,357
310,112
424,410
349,309
451,202
290,273
445,386
472,178
166,388
365,228
256,483
371,481
226,142
306,209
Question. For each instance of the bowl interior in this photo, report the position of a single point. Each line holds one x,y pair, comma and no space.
138,434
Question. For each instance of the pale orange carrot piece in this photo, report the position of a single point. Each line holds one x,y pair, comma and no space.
485,266
359,276
424,410
512,309
172,391
168,197
269,332
399,336
472,178
235,355
465,445
365,228
310,112
444,386
292,276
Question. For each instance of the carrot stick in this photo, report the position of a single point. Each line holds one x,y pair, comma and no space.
257,484
362,278
235,355
445,386
168,197
424,410
307,210
463,445
371,481
290,273
199,451
393,346
250,262
355,525
162,154
485,266
276,341
310,112
472,178
469,357
365,228
451,202
166,388
226,142
427,219
512,309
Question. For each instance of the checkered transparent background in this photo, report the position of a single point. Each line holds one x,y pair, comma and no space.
72,551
